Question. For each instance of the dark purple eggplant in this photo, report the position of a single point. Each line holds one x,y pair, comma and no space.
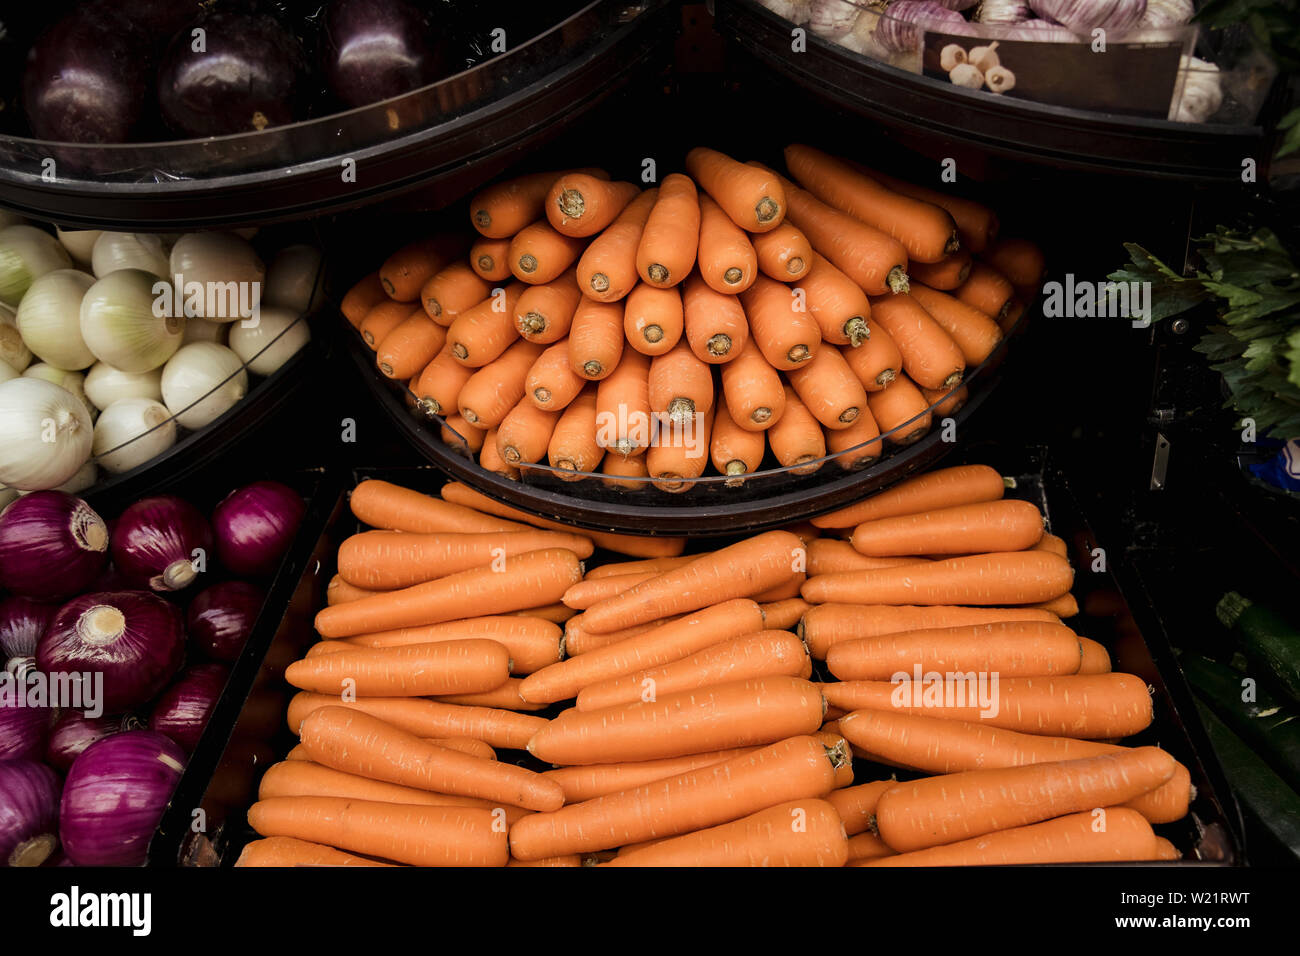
251,74
372,50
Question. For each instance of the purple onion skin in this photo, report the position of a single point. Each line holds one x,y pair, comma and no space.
115,795
154,541
134,638
29,812
220,618
87,78
183,709
52,546
22,622
373,50
24,730
902,24
73,732
255,525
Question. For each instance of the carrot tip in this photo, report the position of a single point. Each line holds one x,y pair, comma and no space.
527,263
681,409
848,415
434,307
858,332
592,368
533,322
733,275
897,280
600,282
952,379
459,351
430,406
794,265
486,263
800,353
652,333
767,209
719,344
657,273
736,467
543,395
952,245
760,414
571,203
483,218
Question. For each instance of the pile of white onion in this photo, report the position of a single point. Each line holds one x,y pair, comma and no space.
98,368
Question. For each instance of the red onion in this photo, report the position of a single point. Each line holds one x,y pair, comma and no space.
115,795
157,543
1083,16
133,638
255,526
73,732
23,728
22,622
29,812
184,708
901,26
220,618
52,546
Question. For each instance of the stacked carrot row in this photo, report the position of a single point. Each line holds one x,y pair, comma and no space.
678,706
722,315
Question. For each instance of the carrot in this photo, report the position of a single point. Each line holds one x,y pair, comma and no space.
624,473
382,504
664,644
525,433
726,260
715,325
856,446
623,407
483,332
783,615
828,624
406,271
538,254
947,274
466,745
653,319
490,258
942,488
1004,525
427,718
607,270
419,670
828,555
1008,648
615,568
1166,850
857,805
900,411
410,346
735,451
753,390
938,745
587,591
754,199
421,836
797,440
501,210
797,768
356,742
503,696
666,251
382,319
1096,659
782,592
339,591
570,859
544,312
837,745
877,361
945,402
787,336
1021,262
518,582
929,354
756,655
440,383
680,384
555,612
286,851
598,780
784,254
580,205
747,567
986,290
1015,310
977,225
829,389
573,446
490,393
838,306
1063,605
1054,544
1019,577
796,833
451,291
867,846
1075,838
385,560
1091,706
578,640
871,258
551,384
466,438
644,546
596,339
975,333
361,298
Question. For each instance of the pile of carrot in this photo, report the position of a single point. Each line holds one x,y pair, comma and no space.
706,709
727,316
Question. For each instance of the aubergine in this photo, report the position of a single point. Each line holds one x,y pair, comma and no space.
372,50
250,73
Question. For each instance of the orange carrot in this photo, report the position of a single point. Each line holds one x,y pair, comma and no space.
490,259
838,306
410,347
339,591
680,384
857,805
539,254
607,270
797,440
525,433
361,298
867,846
440,383
929,354
578,640
419,670
623,407
1063,605
752,198
829,389
551,384
588,591
532,643
1096,659
1019,577
580,205
828,624
483,332
545,312
1166,850
735,451
570,859
653,318
488,395
596,338
466,745
945,402
555,612
406,271
787,336
753,390
616,568
900,411
428,718
503,696
501,210
451,291
382,319
384,560
598,780
975,333
715,325
665,254
286,851
624,473
1054,544
784,615
827,555
573,446
1021,262
947,274
977,225
784,254
382,504
986,290
942,488
466,438
1004,525
727,261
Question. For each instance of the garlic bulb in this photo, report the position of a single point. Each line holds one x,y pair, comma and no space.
105,385
1083,16
45,434
14,352
796,11
966,75
227,270
999,79
1167,13
49,318
1002,11
130,432
275,339
951,56
129,250
201,382
1198,93
125,324
984,58
904,23
832,18
26,253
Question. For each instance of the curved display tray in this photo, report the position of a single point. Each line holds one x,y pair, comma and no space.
430,135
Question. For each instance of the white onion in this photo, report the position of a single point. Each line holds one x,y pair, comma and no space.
7,372
80,243
7,497
291,280
129,250
13,350
225,267
105,385
276,338
204,330
45,434
202,381
74,382
121,325
85,477
8,219
49,318
27,253
132,431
